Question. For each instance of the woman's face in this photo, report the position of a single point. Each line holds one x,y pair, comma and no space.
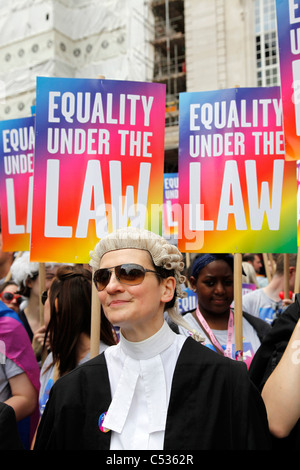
50,273
14,303
138,309
214,287
34,285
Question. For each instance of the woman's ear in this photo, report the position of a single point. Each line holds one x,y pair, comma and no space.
168,288
193,283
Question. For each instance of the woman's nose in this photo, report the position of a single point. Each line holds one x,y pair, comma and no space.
219,288
114,283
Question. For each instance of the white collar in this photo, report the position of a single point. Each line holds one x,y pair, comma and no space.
149,347
142,358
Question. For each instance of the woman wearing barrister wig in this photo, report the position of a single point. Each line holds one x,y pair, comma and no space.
155,389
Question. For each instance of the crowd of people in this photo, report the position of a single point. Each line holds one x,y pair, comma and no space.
162,380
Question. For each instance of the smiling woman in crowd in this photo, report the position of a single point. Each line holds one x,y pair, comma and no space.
212,280
155,389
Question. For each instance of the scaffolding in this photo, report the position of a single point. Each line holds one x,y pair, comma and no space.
169,46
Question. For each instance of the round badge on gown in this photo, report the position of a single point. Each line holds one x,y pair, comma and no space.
100,421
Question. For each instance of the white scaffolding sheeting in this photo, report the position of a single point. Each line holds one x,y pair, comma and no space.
70,38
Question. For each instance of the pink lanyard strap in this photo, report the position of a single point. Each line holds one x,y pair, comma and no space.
213,339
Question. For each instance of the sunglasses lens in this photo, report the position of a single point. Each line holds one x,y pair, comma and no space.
130,274
8,296
101,278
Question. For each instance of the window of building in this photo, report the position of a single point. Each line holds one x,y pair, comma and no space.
267,61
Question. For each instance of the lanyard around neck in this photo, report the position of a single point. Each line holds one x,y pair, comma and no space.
213,339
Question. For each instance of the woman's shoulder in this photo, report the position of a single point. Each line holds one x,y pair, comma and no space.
194,352
82,383
260,325
88,368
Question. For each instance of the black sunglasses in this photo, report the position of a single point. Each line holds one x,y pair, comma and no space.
130,274
9,296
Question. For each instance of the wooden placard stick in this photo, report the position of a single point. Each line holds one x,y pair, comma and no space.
286,265
187,264
95,322
273,264
42,279
238,310
96,311
297,278
267,267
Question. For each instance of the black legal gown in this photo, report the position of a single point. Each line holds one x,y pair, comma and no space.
213,405
9,436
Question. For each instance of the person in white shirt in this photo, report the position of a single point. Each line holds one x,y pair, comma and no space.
155,389
267,302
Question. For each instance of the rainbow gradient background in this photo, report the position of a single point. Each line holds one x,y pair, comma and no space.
212,168
286,58
73,167
15,242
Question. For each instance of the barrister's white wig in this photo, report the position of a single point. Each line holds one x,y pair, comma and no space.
162,253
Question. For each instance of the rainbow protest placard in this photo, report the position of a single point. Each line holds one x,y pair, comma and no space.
236,191
99,163
288,28
170,205
16,182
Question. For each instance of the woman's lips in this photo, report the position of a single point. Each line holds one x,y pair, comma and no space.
115,303
219,301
